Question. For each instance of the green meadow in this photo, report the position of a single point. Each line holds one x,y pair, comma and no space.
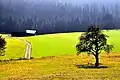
15,49
53,44
64,43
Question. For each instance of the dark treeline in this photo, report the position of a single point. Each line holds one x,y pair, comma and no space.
51,17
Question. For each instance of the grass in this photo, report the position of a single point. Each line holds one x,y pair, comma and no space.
114,38
56,67
53,44
64,43
62,68
14,49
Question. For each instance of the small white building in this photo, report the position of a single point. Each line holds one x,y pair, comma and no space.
33,32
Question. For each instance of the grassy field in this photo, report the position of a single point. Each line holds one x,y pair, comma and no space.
67,67
64,44
14,49
70,67
53,44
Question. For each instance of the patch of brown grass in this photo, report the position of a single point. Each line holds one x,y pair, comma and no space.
61,68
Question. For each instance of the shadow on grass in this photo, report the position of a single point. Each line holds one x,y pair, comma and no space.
7,61
47,57
90,66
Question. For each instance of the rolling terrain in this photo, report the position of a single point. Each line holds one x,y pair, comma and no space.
64,43
15,49
56,59
51,54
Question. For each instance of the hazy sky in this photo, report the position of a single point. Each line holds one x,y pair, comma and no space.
76,2
91,1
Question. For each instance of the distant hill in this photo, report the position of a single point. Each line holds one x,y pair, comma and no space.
50,16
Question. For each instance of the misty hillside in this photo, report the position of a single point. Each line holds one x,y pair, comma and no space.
49,16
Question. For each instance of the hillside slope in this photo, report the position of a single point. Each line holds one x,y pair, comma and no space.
64,43
15,49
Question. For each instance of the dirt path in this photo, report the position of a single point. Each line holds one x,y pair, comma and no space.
28,48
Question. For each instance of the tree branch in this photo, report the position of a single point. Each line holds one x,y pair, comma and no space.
93,53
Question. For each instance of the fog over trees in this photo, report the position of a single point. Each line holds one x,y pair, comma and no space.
48,16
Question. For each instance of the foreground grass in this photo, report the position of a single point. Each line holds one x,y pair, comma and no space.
62,68
64,43
14,49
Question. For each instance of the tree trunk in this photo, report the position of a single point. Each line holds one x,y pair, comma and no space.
97,54
97,61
